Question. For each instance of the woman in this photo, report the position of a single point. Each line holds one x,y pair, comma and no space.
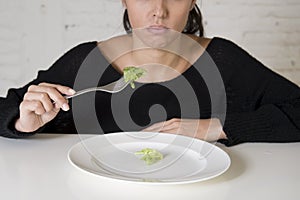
261,105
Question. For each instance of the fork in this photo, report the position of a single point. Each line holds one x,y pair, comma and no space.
112,87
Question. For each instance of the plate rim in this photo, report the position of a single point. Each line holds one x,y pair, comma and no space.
120,178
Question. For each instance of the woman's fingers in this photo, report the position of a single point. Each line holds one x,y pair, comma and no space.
62,89
54,93
36,107
163,126
42,97
155,127
176,126
32,106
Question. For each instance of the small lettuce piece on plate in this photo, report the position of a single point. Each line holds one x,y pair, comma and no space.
150,156
132,74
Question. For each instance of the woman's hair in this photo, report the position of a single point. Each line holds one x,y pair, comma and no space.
194,24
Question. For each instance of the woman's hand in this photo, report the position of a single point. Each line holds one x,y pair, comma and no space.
204,129
40,105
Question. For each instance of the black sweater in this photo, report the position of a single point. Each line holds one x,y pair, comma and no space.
261,106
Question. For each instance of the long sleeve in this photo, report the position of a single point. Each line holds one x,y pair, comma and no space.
63,72
262,105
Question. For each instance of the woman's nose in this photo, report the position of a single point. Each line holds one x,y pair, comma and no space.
160,9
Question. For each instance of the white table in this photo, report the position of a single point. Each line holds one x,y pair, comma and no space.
38,168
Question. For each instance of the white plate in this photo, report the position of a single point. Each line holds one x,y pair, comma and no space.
186,160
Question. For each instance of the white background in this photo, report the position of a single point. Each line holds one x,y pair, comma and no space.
34,33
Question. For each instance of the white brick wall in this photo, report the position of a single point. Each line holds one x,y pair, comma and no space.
34,33
268,29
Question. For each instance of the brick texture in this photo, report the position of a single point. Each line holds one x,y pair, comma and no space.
34,33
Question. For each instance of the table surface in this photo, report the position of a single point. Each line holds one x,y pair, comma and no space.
38,168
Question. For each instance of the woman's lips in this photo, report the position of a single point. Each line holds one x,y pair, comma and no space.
157,29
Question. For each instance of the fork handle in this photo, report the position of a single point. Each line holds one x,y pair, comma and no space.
80,92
